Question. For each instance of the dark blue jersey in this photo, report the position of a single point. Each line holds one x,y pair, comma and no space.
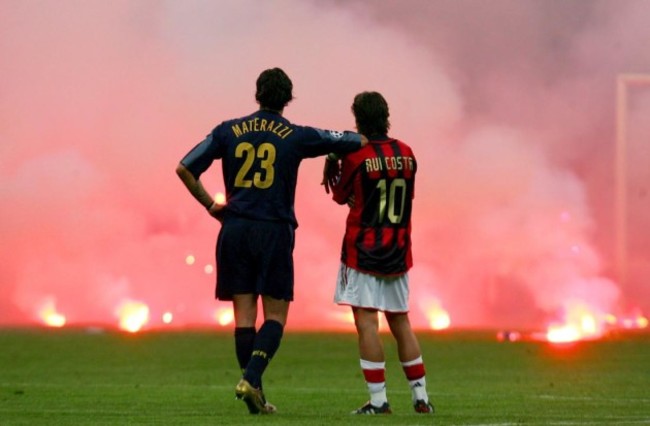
260,156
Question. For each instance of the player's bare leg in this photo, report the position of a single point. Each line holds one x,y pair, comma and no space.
245,309
275,309
367,324
410,356
371,352
408,347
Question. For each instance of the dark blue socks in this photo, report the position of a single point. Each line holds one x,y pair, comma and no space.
244,338
266,344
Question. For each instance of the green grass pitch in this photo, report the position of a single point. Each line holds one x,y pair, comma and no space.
76,377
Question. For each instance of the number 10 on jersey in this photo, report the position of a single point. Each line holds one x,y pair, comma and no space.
391,199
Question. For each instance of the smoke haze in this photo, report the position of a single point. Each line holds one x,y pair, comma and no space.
510,107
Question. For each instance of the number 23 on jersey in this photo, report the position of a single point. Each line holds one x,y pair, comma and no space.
263,158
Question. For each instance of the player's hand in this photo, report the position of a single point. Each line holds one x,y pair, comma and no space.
331,174
217,211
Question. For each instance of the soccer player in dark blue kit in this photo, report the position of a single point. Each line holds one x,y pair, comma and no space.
260,155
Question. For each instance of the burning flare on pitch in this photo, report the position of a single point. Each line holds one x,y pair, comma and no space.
581,322
50,316
438,317
132,315
224,316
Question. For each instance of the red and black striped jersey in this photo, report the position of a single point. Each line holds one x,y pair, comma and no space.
381,177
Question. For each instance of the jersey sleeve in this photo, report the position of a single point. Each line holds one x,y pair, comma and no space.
317,142
202,155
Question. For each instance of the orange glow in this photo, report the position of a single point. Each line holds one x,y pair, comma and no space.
383,324
168,317
631,321
208,269
508,336
581,323
343,318
635,321
190,259
132,315
563,333
347,317
49,315
610,319
220,198
438,317
224,316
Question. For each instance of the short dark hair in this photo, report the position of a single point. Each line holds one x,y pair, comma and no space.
274,89
370,111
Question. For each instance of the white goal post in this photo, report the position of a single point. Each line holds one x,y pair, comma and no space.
624,82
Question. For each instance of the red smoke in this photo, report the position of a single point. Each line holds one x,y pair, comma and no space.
509,106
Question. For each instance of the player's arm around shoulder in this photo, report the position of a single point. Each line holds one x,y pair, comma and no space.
332,167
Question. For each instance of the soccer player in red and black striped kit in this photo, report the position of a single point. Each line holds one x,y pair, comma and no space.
377,183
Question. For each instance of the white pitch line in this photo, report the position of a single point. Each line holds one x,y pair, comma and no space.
591,398
617,420
486,424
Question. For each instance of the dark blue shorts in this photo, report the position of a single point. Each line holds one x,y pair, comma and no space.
255,257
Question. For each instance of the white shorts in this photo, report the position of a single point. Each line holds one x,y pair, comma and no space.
361,290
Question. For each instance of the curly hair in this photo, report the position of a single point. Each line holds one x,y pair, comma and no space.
274,89
370,111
